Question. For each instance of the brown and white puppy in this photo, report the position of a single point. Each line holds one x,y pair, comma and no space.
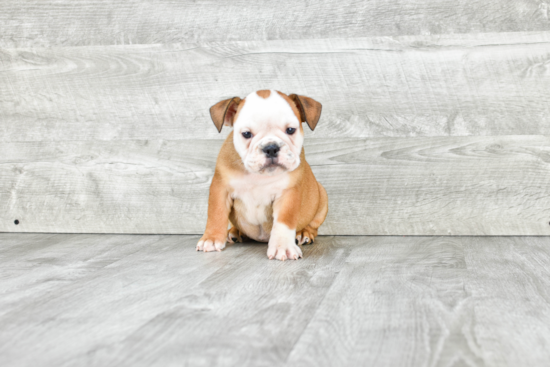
262,183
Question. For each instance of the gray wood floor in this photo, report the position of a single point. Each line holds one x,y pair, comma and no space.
106,300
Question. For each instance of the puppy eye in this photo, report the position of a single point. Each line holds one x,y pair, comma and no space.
290,130
247,134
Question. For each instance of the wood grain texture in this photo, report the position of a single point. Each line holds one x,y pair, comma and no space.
379,186
100,300
453,85
103,22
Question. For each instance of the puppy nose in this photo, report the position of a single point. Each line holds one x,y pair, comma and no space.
271,150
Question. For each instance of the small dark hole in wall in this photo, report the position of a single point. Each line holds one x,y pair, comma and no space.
16,221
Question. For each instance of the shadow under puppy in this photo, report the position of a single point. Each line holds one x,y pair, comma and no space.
262,183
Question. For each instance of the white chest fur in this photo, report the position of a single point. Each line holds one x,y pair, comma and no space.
255,195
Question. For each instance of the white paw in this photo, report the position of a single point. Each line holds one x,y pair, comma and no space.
286,250
210,245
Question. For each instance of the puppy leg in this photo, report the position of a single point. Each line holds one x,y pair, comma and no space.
219,206
282,244
307,235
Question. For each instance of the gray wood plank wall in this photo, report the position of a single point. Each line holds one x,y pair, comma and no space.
107,22
436,113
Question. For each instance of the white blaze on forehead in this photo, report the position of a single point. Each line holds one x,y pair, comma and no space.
258,111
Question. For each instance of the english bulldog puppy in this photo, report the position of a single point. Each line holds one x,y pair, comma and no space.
262,183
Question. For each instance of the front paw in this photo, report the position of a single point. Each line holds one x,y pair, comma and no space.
283,250
210,243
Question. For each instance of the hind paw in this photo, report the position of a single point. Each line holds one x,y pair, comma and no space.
235,235
306,236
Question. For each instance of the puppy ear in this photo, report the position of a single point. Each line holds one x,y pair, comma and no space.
310,109
223,112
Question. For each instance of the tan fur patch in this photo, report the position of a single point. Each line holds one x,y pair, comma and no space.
264,93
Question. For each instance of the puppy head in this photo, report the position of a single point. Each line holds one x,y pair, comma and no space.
268,133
